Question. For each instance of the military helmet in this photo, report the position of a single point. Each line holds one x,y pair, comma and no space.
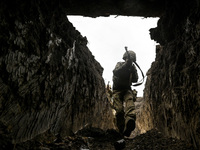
131,54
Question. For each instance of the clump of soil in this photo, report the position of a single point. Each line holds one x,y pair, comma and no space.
154,140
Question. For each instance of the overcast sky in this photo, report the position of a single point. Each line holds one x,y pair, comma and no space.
107,37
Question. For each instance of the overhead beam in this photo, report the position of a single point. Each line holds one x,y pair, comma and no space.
95,8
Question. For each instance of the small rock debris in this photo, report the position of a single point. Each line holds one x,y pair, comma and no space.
97,139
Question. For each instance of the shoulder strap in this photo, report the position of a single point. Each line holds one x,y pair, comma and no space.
142,80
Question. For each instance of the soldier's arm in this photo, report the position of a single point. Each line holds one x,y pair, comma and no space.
121,66
135,74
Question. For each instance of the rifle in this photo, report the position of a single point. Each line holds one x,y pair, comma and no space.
142,80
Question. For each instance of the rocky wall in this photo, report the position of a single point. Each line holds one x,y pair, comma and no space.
49,80
174,77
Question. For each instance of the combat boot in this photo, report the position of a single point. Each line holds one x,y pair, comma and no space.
129,127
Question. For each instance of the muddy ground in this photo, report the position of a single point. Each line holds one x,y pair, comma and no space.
96,139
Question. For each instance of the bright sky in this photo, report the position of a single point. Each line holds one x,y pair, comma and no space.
107,37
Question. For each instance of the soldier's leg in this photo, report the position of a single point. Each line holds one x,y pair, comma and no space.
118,106
130,114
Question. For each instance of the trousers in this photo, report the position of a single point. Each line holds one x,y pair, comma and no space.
123,103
